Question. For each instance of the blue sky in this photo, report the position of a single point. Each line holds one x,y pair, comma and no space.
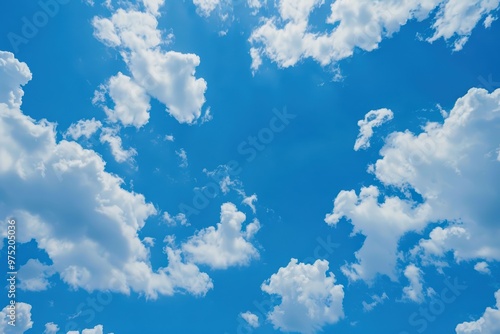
211,166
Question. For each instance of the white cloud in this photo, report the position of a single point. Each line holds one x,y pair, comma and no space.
83,128
22,318
309,297
367,307
167,76
183,156
206,7
288,37
51,328
34,275
14,74
169,138
373,119
457,18
131,103
251,319
225,245
249,200
414,291
482,267
79,214
98,329
489,323
457,154
111,137
179,218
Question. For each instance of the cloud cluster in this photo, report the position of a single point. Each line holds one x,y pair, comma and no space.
453,167
373,119
167,76
289,37
78,213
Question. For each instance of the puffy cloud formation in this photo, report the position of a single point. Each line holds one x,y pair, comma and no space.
226,245
167,76
251,319
309,297
110,136
482,267
288,37
34,275
83,128
414,291
453,166
51,328
78,213
23,319
14,74
489,323
373,119
96,330
130,100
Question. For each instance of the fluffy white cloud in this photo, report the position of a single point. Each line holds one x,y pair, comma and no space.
51,328
22,319
489,323
482,267
251,319
376,301
33,276
289,37
131,103
79,214
98,329
382,224
225,245
457,18
111,137
206,7
179,218
167,76
459,154
414,291
373,119
309,297
14,74
83,128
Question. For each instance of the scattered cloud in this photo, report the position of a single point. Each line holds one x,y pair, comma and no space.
57,182
183,156
179,218
51,328
377,300
289,37
373,119
110,136
444,157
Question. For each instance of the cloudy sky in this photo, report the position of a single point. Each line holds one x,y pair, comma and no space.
251,166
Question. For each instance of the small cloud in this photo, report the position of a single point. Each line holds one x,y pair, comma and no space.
183,156
169,138
250,318
482,267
